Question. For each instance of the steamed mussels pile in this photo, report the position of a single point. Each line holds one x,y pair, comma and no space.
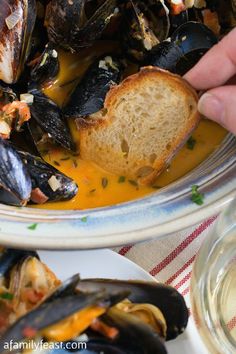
110,316
171,34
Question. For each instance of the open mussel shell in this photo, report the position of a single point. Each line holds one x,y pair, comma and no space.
15,182
166,298
9,257
17,21
146,25
61,304
88,97
48,184
77,24
50,118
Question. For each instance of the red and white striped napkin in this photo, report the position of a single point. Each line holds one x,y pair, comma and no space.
171,258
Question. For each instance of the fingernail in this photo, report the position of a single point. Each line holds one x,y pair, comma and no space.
211,107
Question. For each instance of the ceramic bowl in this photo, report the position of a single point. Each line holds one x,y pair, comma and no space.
164,212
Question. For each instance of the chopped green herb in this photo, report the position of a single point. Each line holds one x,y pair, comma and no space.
56,163
32,226
6,296
65,158
133,183
104,182
191,143
121,179
84,219
75,163
92,190
197,197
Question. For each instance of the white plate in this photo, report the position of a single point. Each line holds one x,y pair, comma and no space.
108,264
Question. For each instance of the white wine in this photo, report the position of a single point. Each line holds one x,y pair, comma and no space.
213,290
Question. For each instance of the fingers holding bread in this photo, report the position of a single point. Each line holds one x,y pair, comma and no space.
145,121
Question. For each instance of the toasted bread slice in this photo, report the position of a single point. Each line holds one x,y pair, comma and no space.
145,120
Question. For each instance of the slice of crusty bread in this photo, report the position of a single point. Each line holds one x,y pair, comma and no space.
145,120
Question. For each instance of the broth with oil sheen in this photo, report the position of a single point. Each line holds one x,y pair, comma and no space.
97,187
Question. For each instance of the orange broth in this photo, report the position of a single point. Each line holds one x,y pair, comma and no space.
98,187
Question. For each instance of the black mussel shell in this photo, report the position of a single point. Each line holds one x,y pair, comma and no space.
135,337
77,24
194,39
49,313
47,180
90,93
6,94
166,298
9,257
15,182
146,23
184,49
50,118
165,55
47,67
177,20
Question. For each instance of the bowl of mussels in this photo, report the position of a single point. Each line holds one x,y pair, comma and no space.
86,89
38,310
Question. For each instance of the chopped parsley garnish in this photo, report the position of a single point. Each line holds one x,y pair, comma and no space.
6,296
197,197
84,219
191,143
32,226
121,179
65,158
133,183
56,163
104,182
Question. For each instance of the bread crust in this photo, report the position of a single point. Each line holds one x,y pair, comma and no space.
103,120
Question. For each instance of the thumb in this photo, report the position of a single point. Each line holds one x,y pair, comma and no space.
219,104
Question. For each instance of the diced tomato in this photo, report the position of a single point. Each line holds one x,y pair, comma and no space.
29,332
38,197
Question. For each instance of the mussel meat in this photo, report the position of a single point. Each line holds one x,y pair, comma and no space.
146,25
90,93
77,24
17,21
25,282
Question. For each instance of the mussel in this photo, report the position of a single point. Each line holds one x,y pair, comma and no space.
17,21
48,184
46,67
51,119
24,282
88,97
146,25
166,298
115,317
186,46
15,182
77,24
25,177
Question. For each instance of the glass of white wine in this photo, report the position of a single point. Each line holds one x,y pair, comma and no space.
213,286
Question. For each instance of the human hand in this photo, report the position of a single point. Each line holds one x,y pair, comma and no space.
215,69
